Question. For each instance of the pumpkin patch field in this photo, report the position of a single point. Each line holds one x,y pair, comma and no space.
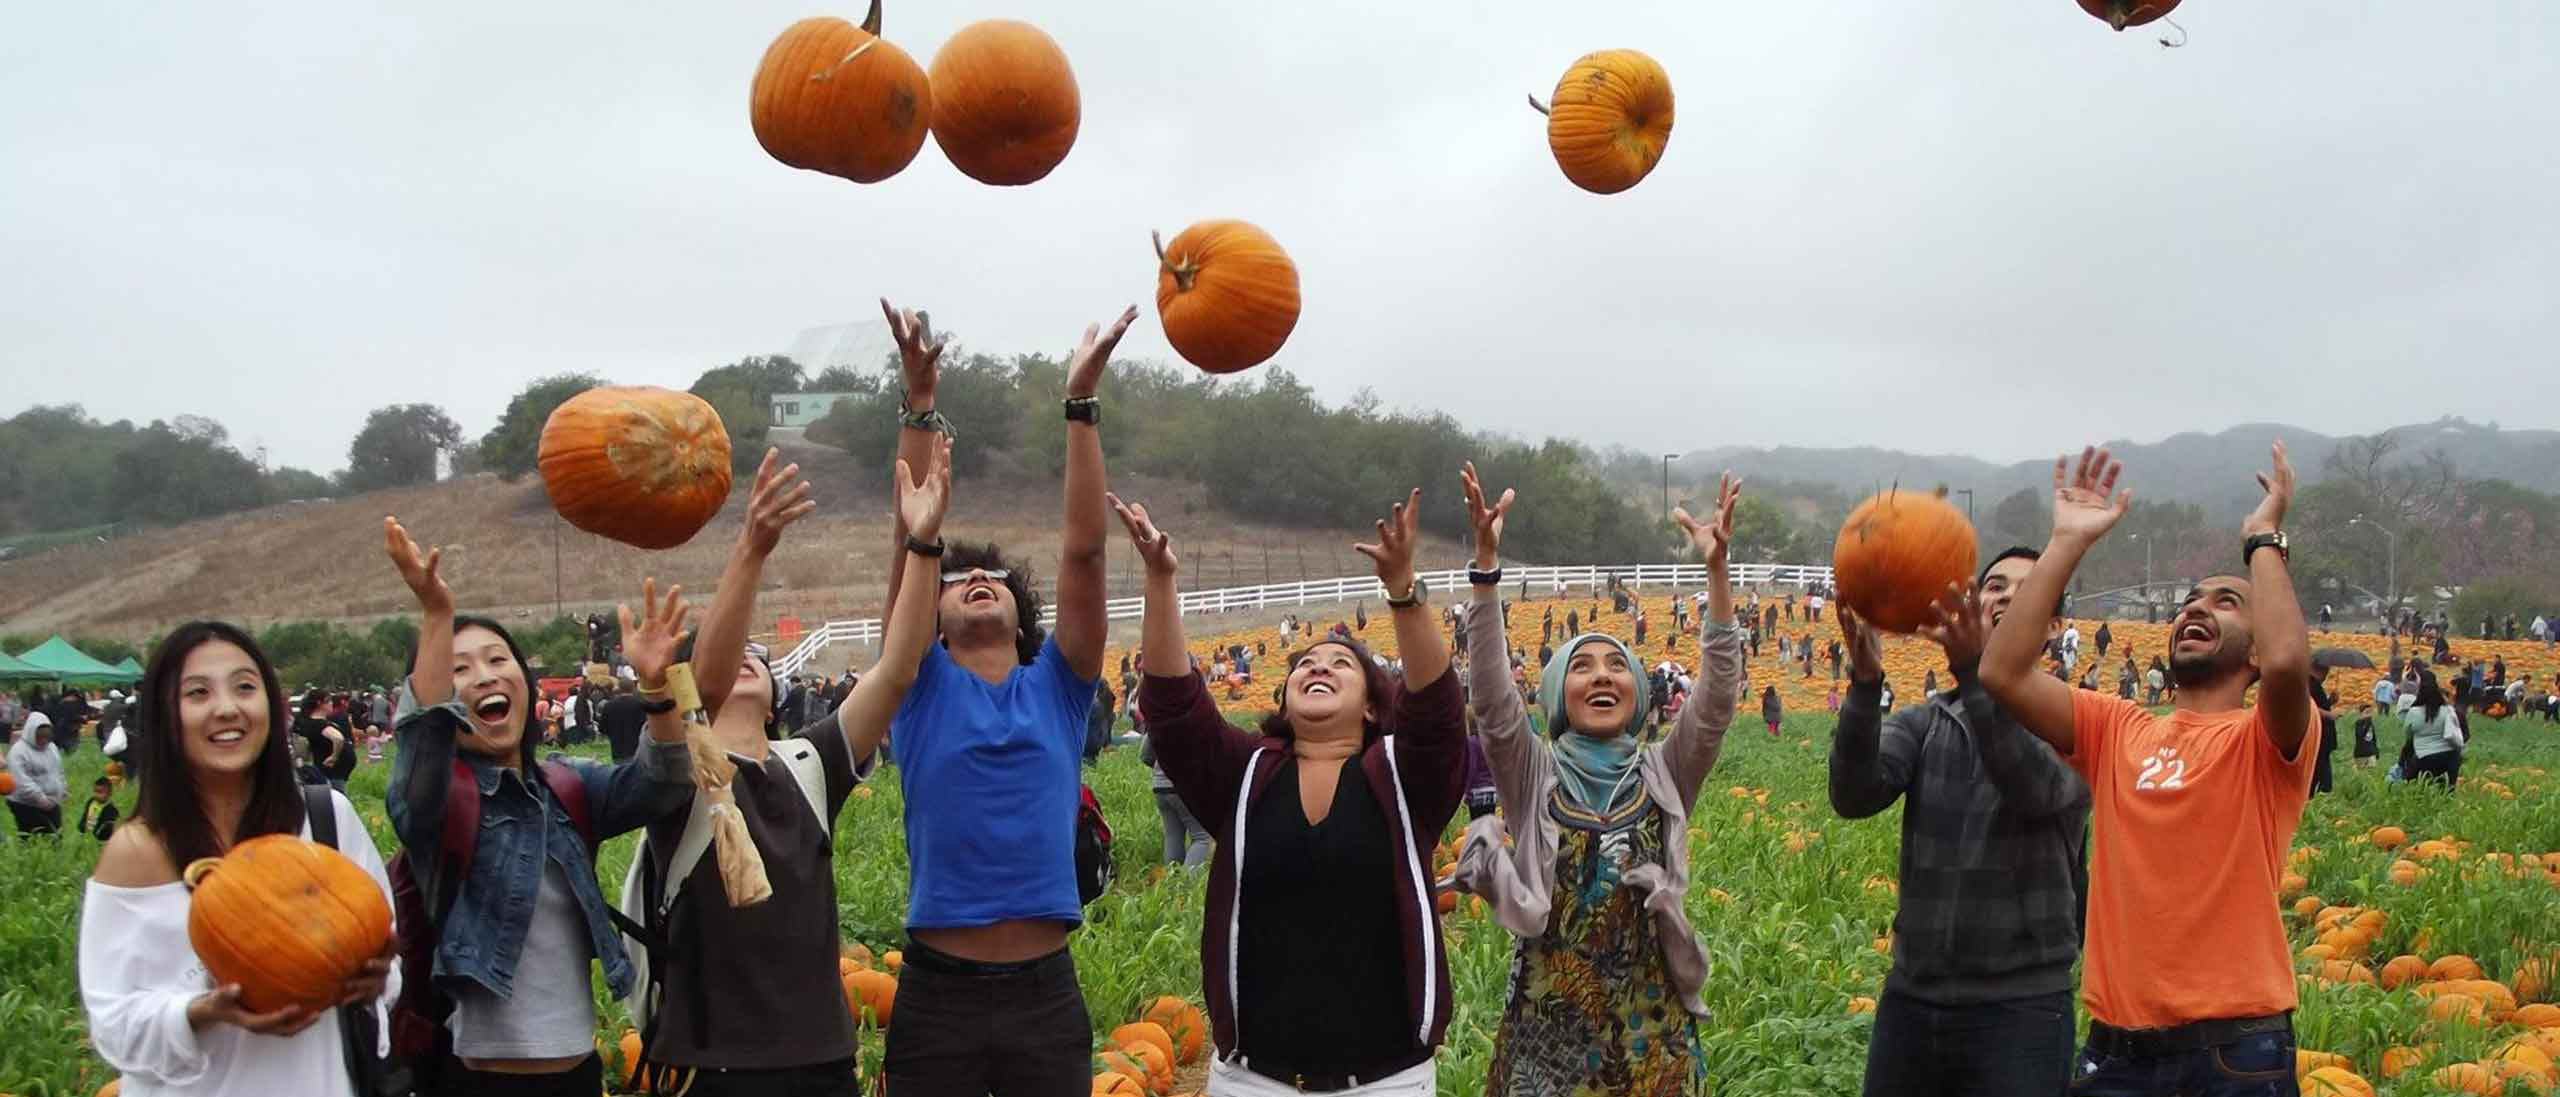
2428,922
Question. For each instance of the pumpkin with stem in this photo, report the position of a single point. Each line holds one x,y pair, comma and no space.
835,98
1897,554
289,920
1226,295
2128,13
1005,104
643,465
1182,1021
875,992
1609,119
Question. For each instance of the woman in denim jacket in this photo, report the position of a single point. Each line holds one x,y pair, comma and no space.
527,916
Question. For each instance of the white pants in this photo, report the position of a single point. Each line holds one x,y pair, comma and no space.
1229,1080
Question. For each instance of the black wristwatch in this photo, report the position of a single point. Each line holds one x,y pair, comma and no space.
1085,409
1485,578
2282,544
930,550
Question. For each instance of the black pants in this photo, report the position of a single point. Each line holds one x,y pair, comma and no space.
583,1080
967,1029
33,821
2015,1048
836,1079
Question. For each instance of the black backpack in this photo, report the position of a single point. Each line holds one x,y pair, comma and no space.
1093,848
358,1030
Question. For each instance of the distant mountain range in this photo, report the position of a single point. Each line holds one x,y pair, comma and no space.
2210,470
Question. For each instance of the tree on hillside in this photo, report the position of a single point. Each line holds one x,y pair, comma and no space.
511,448
843,379
398,447
289,483
742,392
168,476
2021,517
1763,534
983,398
56,465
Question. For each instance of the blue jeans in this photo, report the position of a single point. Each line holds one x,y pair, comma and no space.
2015,1048
2253,1066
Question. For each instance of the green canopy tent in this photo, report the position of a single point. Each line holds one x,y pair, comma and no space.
16,670
129,666
58,659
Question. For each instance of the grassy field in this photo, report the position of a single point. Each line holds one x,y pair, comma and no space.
1790,901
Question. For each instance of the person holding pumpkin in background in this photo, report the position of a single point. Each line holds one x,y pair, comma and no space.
989,745
2188,978
1329,969
217,726
1607,975
1994,828
526,919
752,1003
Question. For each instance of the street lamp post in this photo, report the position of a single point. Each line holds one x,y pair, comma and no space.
2390,566
1968,504
1666,484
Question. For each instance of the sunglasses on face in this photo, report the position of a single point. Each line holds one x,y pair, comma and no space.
758,651
997,575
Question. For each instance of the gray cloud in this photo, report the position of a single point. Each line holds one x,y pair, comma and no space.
1984,228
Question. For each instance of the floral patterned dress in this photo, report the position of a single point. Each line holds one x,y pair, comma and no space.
1591,1010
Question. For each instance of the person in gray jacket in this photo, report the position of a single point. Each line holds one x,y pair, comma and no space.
1994,830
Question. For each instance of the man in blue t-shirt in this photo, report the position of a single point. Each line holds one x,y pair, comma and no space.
989,744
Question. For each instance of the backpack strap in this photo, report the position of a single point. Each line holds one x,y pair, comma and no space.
571,790
320,814
800,756
688,853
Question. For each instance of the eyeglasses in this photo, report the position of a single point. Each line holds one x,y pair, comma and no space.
992,574
758,651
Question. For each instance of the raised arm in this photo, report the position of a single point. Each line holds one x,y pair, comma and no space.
1491,698
1870,764
1082,627
1202,754
1418,641
2032,779
778,499
2283,642
651,649
431,673
1162,651
923,501
1697,735
919,368
2086,505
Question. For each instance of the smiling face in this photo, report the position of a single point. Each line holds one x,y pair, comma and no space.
2210,637
1326,682
977,603
222,710
491,686
1599,689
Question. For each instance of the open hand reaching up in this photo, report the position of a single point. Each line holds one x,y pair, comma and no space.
1155,546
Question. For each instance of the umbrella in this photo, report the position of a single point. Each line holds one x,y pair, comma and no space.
2342,657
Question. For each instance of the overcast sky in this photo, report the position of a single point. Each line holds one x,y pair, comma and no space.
1980,226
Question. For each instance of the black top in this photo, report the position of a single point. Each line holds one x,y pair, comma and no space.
1321,979
314,733
624,718
756,988
2328,724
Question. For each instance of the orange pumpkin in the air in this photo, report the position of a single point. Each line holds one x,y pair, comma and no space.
1005,104
1609,120
1897,554
1226,294
836,98
643,465
288,920
2128,13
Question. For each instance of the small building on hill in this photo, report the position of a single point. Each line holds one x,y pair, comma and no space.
799,409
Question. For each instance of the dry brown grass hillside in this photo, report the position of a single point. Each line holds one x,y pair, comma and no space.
324,560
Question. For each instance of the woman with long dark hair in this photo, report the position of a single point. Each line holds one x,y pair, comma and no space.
2435,736
527,920
214,742
1327,969
1589,866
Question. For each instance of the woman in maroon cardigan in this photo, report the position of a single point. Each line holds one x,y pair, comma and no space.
1320,951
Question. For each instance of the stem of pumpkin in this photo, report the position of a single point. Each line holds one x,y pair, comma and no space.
871,22
1535,105
1183,272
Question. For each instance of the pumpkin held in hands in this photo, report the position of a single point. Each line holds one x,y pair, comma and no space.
1005,105
1226,295
1896,555
836,98
2128,13
643,465
288,920
1609,119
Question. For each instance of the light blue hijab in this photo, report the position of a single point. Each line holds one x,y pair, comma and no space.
1596,773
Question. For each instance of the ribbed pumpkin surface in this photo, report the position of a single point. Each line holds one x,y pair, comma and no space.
1005,104
1610,120
287,919
1897,553
643,465
1226,294
835,98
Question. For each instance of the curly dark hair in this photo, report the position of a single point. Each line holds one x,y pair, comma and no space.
1028,635
1383,688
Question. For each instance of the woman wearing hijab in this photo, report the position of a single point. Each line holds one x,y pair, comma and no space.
2435,736
36,764
1327,972
1606,977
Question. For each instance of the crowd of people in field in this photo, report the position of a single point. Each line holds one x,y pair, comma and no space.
2045,828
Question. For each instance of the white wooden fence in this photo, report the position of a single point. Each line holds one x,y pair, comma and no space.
1541,582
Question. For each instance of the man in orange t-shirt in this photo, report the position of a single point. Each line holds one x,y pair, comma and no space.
2187,977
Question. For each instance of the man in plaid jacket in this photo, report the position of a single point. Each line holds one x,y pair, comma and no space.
1994,833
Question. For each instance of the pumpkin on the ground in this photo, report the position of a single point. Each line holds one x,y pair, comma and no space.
2455,966
1226,295
1609,119
836,98
288,920
1130,1060
1182,1021
1145,1032
2402,970
875,992
2389,837
2334,1081
1112,1083
642,465
2128,13
2538,1015
2468,1078
1896,556
629,1045
1005,104
8,782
